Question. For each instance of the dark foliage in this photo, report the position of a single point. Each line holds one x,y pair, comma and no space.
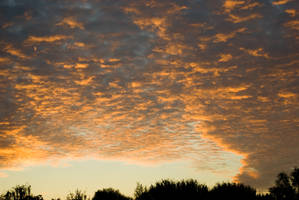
232,191
167,189
109,194
286,187
78,195
20,192
264,197
139,191
295,179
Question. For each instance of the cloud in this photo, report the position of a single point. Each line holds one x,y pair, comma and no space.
15,52
280,2
46,38
225,57
220,37
212,82
230,5
72,23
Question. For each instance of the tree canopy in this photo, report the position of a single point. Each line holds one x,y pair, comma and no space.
286,186
109,194
20,192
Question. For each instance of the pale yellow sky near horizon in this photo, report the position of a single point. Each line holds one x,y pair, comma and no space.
92,175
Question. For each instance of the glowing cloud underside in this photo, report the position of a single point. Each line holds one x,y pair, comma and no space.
151,82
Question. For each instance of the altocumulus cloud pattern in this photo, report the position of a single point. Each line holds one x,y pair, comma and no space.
150,82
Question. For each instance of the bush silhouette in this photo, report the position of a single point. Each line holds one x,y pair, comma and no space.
232,191
109,194
20,192
167,189
78,195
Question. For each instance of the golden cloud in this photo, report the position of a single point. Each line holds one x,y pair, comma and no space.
46,38
71,22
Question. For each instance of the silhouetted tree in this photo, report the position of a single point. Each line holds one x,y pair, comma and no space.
20,192
283,189
193,189
78,195
295,179
264,197
109,194
167,189
286,187
140,189
232,191
38,197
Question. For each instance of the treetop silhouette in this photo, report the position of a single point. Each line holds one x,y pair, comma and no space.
20,192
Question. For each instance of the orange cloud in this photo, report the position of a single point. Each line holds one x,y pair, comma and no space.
80,44
281,2
220,37
231,4
239,19
256,52
15,52
294,24
287,95
86,81
250,6
47,38
81,65
225,57
153,23
291,12
4,60
71,22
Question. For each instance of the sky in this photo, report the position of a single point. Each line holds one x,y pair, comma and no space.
99,93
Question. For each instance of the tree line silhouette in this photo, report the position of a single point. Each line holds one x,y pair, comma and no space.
286,187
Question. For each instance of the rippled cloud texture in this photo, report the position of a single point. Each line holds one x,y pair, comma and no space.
151,82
